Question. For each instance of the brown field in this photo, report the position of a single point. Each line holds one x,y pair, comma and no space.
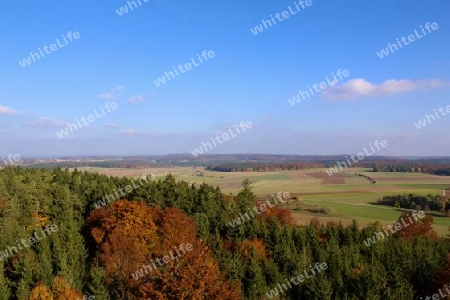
326,179
305,219
300,175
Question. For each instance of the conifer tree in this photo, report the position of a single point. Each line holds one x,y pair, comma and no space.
254,282
5,292
96,283
45,264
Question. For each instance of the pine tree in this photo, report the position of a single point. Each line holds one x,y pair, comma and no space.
254,282
5,292
97,283
44,261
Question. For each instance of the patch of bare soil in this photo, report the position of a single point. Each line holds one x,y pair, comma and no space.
327,179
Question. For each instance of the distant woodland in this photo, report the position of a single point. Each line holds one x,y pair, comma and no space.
436,169
435,203
95,251
264,167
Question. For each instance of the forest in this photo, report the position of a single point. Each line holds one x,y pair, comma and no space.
95,251
429,202
435,166
427,168
263,167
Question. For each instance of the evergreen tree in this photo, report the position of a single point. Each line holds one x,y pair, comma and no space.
5,292
96,283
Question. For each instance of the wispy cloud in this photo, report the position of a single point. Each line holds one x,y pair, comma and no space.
5,110
46,122
129,132
135,99
111,125
114,93
360,88
136,133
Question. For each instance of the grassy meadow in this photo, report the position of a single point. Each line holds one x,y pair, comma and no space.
344,196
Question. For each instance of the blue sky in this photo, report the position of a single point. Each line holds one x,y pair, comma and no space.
250,78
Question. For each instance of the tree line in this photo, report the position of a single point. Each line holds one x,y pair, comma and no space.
429,202
263,167
427,168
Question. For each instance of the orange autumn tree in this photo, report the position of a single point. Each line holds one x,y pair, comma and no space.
420,228
61,290
41,292
123,235
283,215
255,245
127,235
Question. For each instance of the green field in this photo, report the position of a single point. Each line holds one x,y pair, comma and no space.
344,195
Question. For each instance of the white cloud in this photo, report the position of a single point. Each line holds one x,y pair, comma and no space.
5,110
111,125
359,88
46,122
136,133
129,132
114,93
135,99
